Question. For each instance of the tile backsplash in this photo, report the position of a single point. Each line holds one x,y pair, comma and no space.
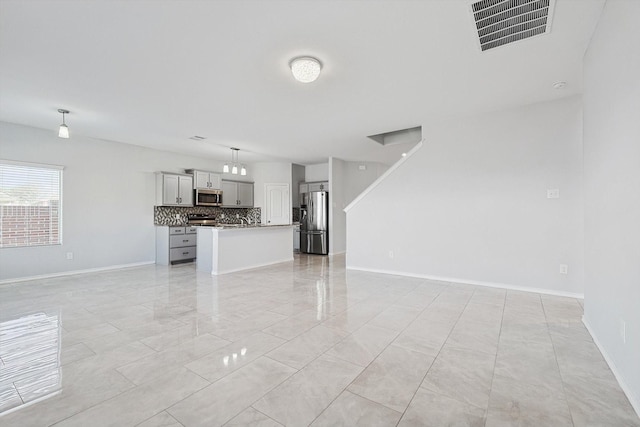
166,215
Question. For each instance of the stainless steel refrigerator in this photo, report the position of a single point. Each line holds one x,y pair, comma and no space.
314,223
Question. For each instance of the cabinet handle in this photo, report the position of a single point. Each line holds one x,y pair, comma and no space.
177,201
185,253
185,241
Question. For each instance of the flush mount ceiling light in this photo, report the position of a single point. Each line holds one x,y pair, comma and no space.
63,132
305,69
234,164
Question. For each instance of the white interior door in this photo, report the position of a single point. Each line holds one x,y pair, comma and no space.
278,204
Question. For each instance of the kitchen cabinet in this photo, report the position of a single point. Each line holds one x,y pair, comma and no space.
206,180
237,194
307,187
174,189
318,186
175,244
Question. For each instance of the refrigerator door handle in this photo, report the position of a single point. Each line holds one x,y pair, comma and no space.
310,216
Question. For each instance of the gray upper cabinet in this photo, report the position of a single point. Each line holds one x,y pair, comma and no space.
205,180
245,194
318,186
236,194
174,189
307,187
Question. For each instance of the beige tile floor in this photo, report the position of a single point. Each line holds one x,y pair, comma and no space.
296,344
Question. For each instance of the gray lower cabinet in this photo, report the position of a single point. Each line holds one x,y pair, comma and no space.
175,244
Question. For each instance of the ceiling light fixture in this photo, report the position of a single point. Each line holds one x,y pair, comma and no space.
63,132
234,164
305,69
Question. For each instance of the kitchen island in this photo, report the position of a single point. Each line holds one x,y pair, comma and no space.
226,249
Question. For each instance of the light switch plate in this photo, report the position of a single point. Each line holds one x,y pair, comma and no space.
553,193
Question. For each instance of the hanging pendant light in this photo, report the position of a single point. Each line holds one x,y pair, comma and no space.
63,132
234,166
225,169
234,158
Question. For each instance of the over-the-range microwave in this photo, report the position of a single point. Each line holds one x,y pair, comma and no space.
204,197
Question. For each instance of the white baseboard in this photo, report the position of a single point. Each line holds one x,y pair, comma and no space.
73,272
337,253
633,399
472,282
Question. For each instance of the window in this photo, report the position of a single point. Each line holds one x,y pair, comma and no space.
30,204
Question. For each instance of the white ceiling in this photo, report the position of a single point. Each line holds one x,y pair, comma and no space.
154,73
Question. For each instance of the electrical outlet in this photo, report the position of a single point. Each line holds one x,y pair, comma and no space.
177,216
222,216
391,254
69,255
623,331
564,269
237,216
553,193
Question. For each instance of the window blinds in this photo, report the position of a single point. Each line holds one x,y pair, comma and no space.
30,204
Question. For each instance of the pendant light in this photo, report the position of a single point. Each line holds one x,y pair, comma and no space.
235,164
63,132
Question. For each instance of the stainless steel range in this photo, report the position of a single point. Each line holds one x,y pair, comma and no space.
202,220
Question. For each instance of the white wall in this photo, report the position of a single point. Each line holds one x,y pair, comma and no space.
471,204
319,172
612,190
337,217
297,176
356,180
269,173
346,182
108,199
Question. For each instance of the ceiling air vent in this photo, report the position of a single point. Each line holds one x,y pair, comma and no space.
500,22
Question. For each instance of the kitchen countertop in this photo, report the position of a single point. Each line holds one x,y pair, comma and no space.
240,226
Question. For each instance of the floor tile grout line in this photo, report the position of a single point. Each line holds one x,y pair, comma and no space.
155,415
265,393
255,409
364,368
555,357
495,360
438,353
